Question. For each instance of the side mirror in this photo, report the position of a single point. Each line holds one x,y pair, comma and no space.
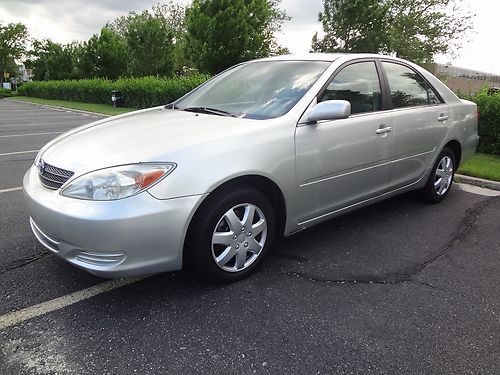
329,110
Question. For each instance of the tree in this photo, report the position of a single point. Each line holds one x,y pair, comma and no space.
411,29
103,55
352,25
51,61
419,29
150,46
13,40
173,17
222,33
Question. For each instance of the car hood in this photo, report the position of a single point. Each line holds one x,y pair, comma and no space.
144,136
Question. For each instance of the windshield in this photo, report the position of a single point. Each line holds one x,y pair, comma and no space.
259,90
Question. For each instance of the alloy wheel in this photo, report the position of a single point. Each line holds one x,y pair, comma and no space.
444,175
239,237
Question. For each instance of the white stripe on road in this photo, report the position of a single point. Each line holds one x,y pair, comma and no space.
82,122
28,135
11,189
19,152
19,316
69,117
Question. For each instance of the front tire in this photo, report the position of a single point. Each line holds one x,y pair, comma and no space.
441,177
230,234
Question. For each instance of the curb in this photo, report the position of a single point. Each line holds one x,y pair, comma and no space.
488,184
63,108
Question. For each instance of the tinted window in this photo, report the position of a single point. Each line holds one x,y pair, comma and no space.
358,84
408,88
433,99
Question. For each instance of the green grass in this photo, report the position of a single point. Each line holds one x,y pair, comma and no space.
482,166
91,107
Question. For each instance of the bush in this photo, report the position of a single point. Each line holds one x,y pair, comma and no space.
488,102
5,93
137,92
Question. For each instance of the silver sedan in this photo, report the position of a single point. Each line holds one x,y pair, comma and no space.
268,147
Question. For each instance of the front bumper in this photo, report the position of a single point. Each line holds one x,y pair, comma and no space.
128,237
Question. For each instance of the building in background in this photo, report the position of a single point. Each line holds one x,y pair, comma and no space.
464,80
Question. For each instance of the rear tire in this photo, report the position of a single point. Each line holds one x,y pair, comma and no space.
230,234
441,177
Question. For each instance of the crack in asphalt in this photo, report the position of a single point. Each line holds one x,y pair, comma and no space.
406,275
360,280
21,262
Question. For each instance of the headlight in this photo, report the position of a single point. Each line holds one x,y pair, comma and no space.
117,182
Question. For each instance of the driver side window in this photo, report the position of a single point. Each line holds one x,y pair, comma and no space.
358,84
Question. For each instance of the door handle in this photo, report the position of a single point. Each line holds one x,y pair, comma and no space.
443,117
383,130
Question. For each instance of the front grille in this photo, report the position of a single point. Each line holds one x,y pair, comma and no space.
52,177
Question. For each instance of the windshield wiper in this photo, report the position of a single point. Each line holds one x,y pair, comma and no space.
208,110
170,106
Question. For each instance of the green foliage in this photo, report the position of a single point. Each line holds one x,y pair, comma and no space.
411,29
222,33
4,93
489,121
419,29
150,46
13,39
137,92
173,18
164,30
482,166
104,55
171,39
51,60
354,26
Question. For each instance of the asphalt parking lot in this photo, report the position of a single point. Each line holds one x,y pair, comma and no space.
398,287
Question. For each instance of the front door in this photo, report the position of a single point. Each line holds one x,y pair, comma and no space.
341,162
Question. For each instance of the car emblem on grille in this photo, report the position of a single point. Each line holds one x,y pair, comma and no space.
41,167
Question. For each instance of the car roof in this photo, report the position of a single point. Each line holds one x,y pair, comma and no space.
323,56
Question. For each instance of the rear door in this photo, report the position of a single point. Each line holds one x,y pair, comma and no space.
419,119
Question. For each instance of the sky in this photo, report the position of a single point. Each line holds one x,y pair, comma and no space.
65,21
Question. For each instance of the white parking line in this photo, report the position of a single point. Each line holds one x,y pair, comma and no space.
82,122
11,189
47,118
27,135
19,316
19,152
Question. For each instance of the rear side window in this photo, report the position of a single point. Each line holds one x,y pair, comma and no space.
408,88
358,84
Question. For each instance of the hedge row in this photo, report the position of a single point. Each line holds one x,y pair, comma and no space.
137,92
488,103
5,93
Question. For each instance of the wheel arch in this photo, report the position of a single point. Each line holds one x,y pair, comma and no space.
260,183
456,148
